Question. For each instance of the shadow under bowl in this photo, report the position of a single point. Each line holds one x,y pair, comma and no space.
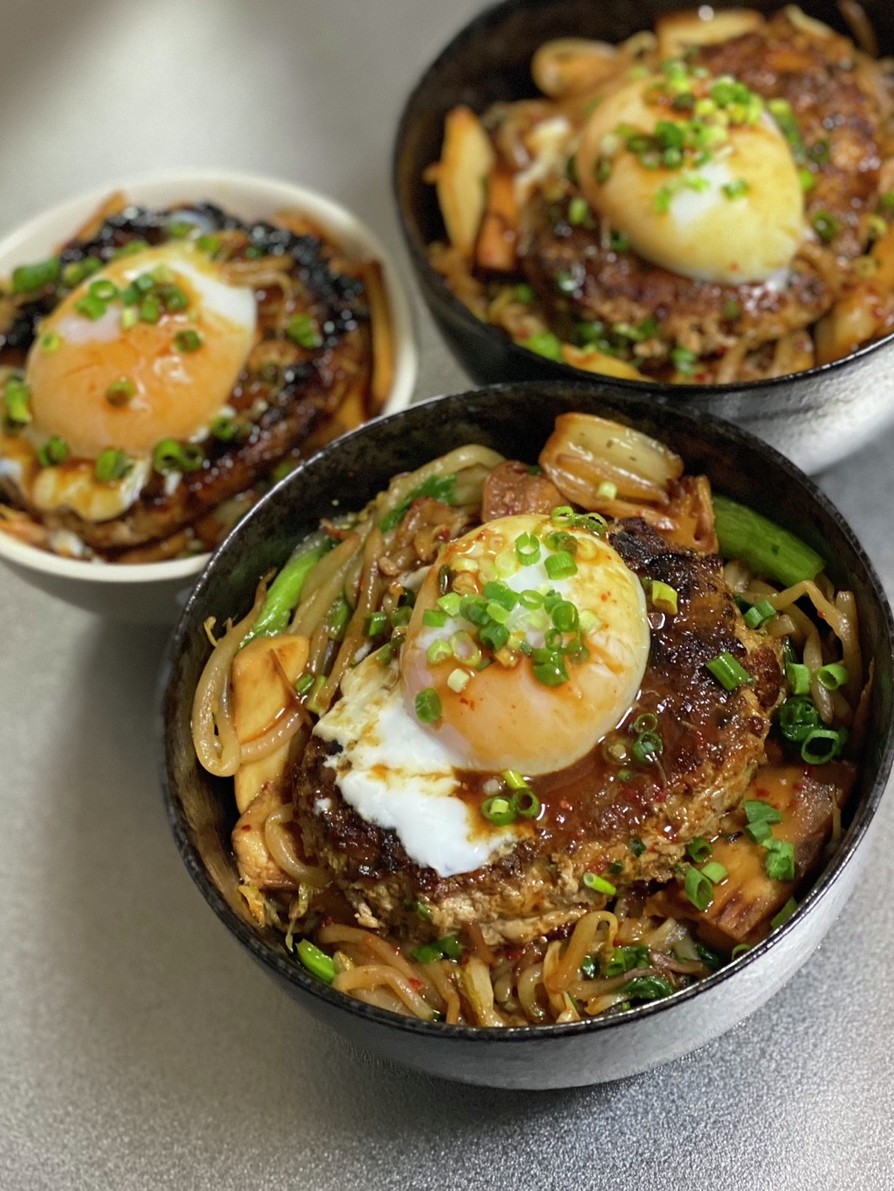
816,418
516,420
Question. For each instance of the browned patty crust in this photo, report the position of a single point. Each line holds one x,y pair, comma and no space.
634,825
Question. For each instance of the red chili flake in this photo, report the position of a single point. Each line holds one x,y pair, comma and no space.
415,983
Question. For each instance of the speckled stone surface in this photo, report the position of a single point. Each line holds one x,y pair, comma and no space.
139,1046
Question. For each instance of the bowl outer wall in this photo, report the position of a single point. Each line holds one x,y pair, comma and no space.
815,418
517,419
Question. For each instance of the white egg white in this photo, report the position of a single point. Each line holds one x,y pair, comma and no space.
398,776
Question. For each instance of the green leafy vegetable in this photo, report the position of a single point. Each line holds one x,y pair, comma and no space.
763,545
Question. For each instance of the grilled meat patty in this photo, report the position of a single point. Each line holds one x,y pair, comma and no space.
605,814
641,308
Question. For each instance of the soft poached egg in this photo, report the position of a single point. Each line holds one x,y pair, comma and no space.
533,695
146,349
710,191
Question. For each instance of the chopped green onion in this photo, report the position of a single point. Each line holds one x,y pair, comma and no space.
169,455
303,330
149,310
565,617
224,428
759,614
53,452
648,988
498,810
173,298
762,545
428,953
832,676
28,278
714,871
76,271
779,861
304,682
549,667
730,673
337,618
450,603
17,402
526,803
797,718
514,780
784,914
544,343
826,226
735,189
698,888
797,675
663,597
50,342
428,706
458,679
560,565
598,884
636,846
111,465
131,248
759,831
578,211
438,651
188,341
647,748
317,962
208,244
739,949
103,289
450,946
698,849
91,307
376,622
625,959
500,593
758,811
434,618
121,391
527,549
420,908
822,745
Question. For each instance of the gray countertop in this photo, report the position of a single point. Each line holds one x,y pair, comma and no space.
139,1046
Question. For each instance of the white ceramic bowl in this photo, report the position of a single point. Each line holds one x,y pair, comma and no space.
154,592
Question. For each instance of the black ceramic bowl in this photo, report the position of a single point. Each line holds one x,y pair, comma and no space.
517,419
815,417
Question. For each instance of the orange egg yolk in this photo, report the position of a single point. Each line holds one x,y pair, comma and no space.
501,709
149,348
